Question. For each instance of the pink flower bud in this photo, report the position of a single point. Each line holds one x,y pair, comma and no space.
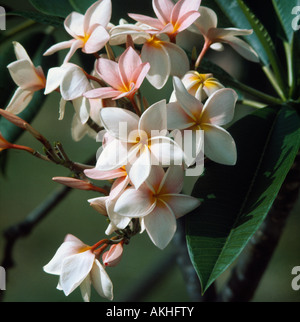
113,256
73,183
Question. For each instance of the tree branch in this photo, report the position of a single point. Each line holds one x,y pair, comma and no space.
254,260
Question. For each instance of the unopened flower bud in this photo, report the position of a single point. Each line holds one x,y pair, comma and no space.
73,183
113,256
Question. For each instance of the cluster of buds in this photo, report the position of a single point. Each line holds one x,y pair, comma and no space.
146,151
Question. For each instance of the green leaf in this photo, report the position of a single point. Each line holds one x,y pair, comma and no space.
58,8
236,199
39,17
284,10
81,5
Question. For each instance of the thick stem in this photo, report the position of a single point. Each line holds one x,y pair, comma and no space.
253,262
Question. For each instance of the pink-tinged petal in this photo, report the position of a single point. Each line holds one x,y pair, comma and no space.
160,65
140,167
105,175
99,204
113,256
113,156
135,203
241,47
207,20
163,10
155,177
74,83
177,118
154,119
19,101
74,24
161,224
188,102
129,61
75,269
119,122
219,107
153,22
139,74
101,281
103,93
118,187
24,75
98,13
178,59
182,7
71,246
165,151
60,46
20,51
97,40
180,204
187,20
172,181
75,45
219,145
109,72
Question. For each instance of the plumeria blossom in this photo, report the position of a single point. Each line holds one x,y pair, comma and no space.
188,113
124,77
77,265
171,18
158,203
105,205
113,256
89,31
206,24
28,78
137,142
199,85
165,58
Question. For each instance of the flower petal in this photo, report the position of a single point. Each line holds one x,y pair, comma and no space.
207,20
101,281
75,269
160,65
74,24
82,108
85,288
161,224
155,177
188,102
154,119
219,145
109,72
135,203
177,117
60,46
102,92
182,7
97,40
219,107
119,122
19,101
105,175
153,22
129,61
181,204
98,13
20,51
172,182
163,10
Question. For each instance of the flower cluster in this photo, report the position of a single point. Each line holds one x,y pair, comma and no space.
146,151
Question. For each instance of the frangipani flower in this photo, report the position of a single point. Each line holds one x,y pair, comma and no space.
171,18
199,85
158,203
113,256
28,78
206,24
124,77
165,58
88,31
138,142
188,113
77,265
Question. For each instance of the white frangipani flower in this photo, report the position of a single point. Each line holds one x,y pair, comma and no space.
77,265
137,142
28,78
88,31
158,203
